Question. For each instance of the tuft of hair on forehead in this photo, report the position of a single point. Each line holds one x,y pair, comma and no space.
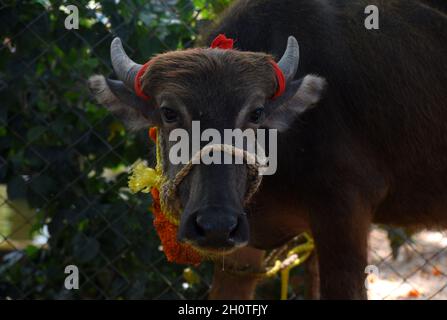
206,71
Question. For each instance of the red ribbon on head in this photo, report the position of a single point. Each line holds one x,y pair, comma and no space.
220,42
281,80
137,84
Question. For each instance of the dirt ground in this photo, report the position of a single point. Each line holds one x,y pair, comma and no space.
419,272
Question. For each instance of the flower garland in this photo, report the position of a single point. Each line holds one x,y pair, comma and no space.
151,180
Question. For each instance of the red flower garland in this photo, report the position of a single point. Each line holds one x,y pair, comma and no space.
174,250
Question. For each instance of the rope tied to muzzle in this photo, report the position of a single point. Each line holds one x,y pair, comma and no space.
253,162
167,207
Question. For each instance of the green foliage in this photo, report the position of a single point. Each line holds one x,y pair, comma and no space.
56,143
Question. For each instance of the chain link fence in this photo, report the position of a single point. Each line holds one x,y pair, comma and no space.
63,165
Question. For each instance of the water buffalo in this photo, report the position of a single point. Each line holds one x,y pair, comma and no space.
364,141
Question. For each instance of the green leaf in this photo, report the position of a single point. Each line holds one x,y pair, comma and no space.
35,132
31,251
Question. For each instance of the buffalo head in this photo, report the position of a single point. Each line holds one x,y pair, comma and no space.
223,89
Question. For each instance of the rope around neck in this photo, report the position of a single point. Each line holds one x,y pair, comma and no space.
254,163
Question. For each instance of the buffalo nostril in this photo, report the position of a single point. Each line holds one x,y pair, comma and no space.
211,226
214,227
199,230
234,229
216,231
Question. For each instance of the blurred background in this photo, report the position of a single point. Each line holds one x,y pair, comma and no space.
63,165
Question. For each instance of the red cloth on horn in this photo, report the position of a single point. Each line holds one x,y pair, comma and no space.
137,82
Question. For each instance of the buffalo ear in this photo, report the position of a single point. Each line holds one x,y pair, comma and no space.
134,112
299,96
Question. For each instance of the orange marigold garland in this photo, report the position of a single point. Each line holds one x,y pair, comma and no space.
146,179
174,250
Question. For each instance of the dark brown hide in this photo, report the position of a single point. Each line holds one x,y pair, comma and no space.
375,148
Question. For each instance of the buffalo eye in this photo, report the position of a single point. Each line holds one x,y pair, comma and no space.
169,115
256,115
